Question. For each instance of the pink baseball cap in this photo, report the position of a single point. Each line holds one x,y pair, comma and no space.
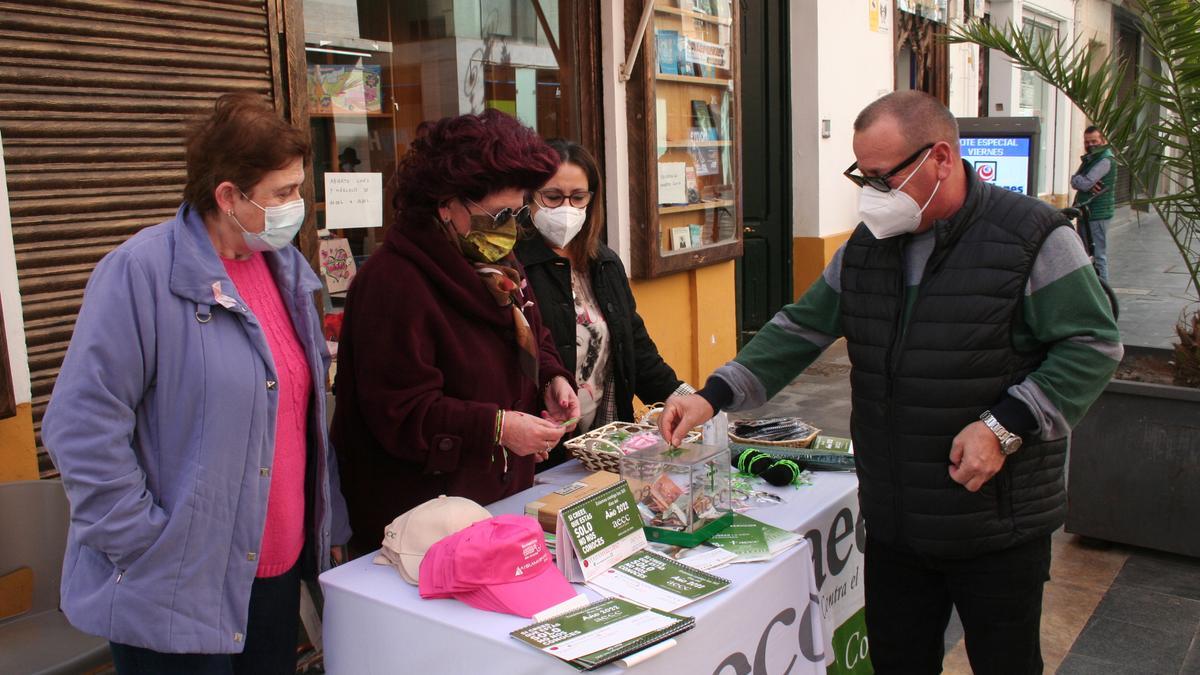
500,564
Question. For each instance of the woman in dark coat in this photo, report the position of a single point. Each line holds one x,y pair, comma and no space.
585,299
444,367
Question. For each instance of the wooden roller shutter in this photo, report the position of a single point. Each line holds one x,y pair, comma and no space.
95,96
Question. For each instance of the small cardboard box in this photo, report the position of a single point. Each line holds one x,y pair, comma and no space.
546,509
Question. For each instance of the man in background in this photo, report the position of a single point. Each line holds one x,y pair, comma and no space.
1096,181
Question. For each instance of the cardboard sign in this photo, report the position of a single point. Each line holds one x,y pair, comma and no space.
598,532
337,264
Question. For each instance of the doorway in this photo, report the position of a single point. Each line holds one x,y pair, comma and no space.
764,272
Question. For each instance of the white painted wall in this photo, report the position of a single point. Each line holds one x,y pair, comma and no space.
806,119
1005,82
838,66
1093,24
616,129
10,296
963,64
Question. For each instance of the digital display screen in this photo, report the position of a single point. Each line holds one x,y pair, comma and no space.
1000,160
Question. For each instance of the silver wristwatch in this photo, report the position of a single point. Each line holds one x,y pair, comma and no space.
1009,442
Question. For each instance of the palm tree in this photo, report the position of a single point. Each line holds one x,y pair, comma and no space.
1161,151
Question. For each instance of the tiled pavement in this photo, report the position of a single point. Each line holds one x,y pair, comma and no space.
1108,609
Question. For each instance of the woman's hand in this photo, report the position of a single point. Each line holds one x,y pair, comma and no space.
561,403
528,435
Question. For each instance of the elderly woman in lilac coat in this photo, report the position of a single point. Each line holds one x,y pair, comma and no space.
188,419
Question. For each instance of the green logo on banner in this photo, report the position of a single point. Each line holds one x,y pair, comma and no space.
850,647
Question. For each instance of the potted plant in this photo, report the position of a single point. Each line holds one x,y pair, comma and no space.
1135,458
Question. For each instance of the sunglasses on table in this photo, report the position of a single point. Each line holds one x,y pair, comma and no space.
553,199
881,183
502,216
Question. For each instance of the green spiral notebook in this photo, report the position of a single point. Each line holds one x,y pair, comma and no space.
657,581
603,632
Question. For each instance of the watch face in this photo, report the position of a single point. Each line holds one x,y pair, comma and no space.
1011,445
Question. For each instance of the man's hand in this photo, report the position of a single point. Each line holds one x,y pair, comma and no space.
1098,187
975,456
680,414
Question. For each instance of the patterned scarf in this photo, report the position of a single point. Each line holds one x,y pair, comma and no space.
507,288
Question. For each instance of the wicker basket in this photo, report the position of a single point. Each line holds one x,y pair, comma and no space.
802,442
597,453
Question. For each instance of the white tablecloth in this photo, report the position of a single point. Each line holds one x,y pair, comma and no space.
772,616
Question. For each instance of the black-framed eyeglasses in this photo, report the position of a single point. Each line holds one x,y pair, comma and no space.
552,198
501,217
882,183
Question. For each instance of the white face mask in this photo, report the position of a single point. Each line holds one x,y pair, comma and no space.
281,223
559,225
888,214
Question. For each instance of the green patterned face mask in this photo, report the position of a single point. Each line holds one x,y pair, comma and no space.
488,242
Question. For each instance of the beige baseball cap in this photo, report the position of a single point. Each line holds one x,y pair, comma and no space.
409,536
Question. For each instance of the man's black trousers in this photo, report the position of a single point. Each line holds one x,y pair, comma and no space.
998,597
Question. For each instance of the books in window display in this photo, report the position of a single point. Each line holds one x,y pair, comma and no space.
702,116
667,51
603,632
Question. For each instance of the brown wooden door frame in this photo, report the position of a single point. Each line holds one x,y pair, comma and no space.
8,397
290,81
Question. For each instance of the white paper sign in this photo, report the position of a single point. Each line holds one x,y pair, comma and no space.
672,183
353,200
706,53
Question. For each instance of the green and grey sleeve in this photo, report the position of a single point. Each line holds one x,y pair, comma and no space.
1066,308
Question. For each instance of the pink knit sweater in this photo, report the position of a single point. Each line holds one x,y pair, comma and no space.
283,535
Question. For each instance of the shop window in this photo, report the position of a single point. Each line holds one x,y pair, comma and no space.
684,112
377,69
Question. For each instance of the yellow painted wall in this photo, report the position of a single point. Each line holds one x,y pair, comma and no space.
692,317
18,454
809,257
1057,201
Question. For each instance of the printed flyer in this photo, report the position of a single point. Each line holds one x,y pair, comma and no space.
602,632
753,540
657,581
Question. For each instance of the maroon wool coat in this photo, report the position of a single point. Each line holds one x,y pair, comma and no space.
426,358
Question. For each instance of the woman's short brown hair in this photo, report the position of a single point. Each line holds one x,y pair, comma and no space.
243,140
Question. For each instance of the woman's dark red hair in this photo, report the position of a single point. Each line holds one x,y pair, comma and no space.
469,156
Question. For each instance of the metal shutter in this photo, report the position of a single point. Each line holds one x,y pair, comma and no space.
94,98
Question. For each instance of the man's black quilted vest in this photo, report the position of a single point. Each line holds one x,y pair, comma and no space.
915,389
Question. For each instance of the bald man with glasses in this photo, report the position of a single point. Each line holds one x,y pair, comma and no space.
978,337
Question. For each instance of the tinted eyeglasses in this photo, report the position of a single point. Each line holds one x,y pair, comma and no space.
881,182
552,199
501,217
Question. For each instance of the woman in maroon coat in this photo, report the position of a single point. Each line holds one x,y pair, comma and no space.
448,383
